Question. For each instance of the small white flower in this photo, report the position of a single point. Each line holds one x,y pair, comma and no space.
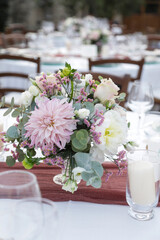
77,173
34,90
70,186
26,98
83,113
88,77
130,146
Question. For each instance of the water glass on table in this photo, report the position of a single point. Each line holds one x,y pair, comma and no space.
16,185
142,190
140,100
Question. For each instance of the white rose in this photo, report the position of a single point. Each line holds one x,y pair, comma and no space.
83,113
106,91
88,77
34,90
113,132
26,98
70,186
77,173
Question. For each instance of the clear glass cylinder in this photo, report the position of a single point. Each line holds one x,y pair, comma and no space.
142,189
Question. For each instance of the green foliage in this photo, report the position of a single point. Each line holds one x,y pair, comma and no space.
12,132
94,170
79,140
10,161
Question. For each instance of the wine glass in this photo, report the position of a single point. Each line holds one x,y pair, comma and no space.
15,185
140,100
41,213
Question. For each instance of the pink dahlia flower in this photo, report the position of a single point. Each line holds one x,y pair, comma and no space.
51,123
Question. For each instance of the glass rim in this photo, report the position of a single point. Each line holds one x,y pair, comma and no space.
33,180
142,150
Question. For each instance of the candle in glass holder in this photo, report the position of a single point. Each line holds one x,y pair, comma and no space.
142,182
1,130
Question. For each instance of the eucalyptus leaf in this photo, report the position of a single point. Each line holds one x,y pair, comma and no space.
12,102
89,106
12,132
77,106
16,112
9,110
96,182
78,145
10,161
97,168
86,175
83,160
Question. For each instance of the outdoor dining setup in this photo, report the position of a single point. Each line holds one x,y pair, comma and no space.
79,131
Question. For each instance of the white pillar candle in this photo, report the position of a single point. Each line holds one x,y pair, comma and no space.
1,130
142,182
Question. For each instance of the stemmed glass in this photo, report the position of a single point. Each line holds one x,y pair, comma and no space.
16,185
140,100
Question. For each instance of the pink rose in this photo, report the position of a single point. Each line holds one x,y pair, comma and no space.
106,91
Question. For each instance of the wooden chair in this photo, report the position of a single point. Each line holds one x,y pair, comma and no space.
121,82
11,92
15,28
153,41
102,61
14,40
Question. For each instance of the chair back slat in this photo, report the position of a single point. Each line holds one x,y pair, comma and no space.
139,63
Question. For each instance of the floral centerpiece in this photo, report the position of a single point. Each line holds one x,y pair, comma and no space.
74,121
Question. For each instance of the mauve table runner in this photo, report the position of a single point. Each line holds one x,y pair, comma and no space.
111,192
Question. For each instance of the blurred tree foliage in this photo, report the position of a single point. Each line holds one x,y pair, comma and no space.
102,8
4,4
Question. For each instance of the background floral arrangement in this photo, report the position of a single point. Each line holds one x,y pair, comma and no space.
74,128
95,36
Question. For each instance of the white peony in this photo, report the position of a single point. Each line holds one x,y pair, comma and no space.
34,90
70,186
82,113
26,98
88,77
113,132
77,173
106,91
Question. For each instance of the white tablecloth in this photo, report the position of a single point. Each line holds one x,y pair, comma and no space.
82,220
150,74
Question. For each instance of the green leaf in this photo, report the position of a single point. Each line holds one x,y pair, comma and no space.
77,106
100,78
129,124
16,112
78,145
12,132
21,154
12,102
94,182
89,106
9,110
10,161
86,175
68,65
83,160
121,97
31,152
97,167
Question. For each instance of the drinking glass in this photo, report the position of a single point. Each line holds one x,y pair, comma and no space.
42,215
16,185
140,100
142,190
